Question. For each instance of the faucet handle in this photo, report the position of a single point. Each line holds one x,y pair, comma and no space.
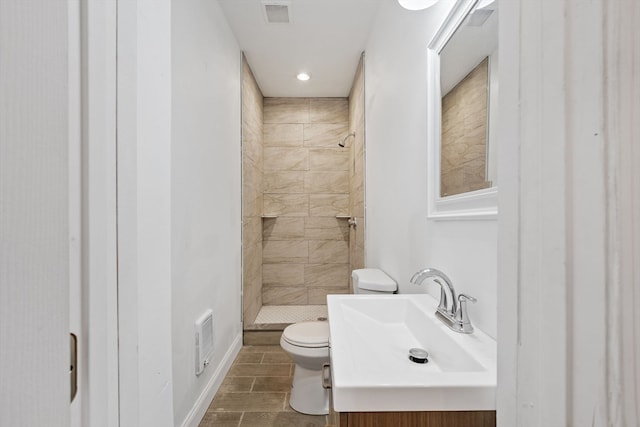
464,298
462,316
443,306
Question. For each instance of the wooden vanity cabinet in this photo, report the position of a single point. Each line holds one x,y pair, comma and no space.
416,419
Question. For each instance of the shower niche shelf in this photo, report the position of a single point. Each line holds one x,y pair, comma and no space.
269,216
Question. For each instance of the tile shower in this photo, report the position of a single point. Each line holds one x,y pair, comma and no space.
299,189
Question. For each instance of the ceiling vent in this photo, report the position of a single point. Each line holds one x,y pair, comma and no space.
276,12
478,17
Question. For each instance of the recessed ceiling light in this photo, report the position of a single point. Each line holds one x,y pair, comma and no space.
303,77
417,4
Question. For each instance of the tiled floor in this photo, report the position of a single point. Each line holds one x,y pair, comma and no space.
255,393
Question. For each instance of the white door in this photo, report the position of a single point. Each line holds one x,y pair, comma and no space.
58,270
34,215
78,334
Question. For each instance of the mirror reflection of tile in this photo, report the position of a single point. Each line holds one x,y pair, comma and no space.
464,134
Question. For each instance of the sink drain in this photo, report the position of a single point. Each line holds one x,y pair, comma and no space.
418,355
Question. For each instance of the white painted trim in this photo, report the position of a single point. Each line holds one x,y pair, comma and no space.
509,219
474,205
622,104
200,406
569,334
458,13
127,215
99,263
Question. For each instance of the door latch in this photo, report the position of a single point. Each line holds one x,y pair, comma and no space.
73,369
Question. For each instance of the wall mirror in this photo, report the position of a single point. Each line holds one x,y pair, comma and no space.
462,117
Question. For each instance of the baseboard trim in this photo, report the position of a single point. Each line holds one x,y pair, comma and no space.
196,414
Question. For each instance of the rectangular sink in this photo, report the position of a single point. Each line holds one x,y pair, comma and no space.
370,338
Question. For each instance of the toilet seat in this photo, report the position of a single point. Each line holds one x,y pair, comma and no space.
313,334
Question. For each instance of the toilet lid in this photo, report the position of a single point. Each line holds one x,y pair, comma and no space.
307,334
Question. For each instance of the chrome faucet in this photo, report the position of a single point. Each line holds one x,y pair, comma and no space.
451,310
448,302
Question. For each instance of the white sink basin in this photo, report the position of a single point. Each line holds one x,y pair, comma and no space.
370,338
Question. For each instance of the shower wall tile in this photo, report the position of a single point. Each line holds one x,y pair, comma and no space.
326,182
325,135
357,203
283,135
277,251
282,295
319,295
251,230
326,275
252,146
329,110
283,274
252,281
328,204
328,159
328,251
357,175
286,110
252,198
253,263
283,228
357,185
305,249
286,159
326,228
283,182
356,246
252,194
286,204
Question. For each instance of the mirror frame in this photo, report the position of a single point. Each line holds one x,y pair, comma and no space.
479,204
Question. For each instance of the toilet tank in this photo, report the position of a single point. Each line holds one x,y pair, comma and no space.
372,281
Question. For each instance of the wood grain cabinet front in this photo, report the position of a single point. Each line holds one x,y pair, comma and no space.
416,419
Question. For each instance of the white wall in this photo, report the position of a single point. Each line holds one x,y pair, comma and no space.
144,212
206,198
400,239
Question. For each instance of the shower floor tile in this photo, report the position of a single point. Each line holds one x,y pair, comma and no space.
290,313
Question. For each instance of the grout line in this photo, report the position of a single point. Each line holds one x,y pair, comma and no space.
286,395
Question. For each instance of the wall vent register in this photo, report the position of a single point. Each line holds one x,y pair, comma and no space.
204,341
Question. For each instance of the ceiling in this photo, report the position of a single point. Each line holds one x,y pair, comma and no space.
324,38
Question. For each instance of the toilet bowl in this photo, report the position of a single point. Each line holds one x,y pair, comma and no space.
308,345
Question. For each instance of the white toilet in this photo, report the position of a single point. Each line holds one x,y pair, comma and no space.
372,281
308,345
